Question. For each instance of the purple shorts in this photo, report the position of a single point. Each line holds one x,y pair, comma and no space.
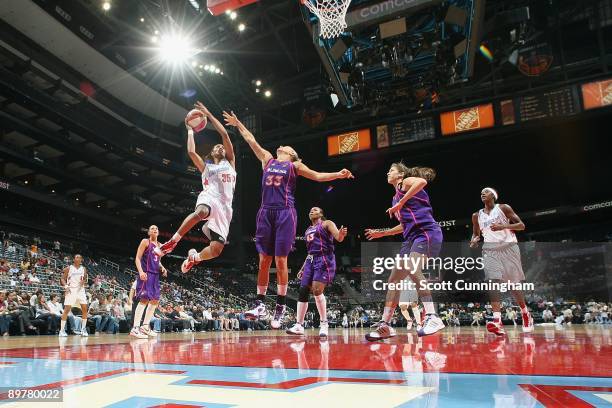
320,268
275,234
427,241
149,289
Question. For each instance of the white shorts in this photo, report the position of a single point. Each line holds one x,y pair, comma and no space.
503,262
75,297
219,218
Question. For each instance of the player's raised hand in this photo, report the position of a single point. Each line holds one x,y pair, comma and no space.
200,106
231,119
373,234
345,174
342,232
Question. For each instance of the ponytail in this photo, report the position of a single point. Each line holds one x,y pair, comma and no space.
426,173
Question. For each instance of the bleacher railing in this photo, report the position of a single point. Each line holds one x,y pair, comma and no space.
110,264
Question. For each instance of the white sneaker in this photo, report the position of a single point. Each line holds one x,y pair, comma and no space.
383,331
138,334
258,311
323,329
277,320
63,333
148,332
84,333
431,325
297,329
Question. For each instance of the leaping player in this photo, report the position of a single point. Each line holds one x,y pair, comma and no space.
502,258
74,280
318,270
422,239
214,204
276,219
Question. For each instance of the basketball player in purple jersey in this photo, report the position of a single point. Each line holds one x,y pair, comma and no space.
276,219
147,286
214,204
319,268
501,254
422,239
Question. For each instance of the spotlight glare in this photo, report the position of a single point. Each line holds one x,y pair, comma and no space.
212,68
268,93
233,15
106,6
258,83
256,90
154,39
175,49
228,12
201,66
156,32
217,71
206,67
241,27
194,64
142,19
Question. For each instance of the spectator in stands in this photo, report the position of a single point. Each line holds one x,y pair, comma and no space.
175,315
14,270
25,265
43,312
5,319
185,316
32,278
547,316
57,246
34,298
118,313
11,249
57,309
20,313
98,314
4,266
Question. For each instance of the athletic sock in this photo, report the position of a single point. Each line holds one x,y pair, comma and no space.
261,290
281,290
387,314
83,324
149,315
138,314
406,314
321,306
428,305
302,308
63,325
417,314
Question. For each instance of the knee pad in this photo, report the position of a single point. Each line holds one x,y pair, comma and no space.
303,294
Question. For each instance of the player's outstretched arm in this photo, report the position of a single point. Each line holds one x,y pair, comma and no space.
191,151
338,234
225,139
262,154
304,171
372,233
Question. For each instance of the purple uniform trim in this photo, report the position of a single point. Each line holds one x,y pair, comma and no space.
149,289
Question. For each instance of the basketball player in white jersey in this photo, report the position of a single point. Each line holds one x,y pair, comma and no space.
502,258
214,205
74,279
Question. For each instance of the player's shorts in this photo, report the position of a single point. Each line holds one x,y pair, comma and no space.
503,262
218,219
320,268
75,297
426,241
149,289
275,234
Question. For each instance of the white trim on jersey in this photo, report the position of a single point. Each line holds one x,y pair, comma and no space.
496,216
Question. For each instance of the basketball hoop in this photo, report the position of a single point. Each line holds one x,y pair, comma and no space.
331,15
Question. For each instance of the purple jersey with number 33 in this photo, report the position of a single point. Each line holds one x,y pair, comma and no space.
278,185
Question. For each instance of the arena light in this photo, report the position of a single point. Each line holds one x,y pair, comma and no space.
258,83
154,39
194,64
142,19
175,48
106,6
233,15
206,67
241,27
228,12
268,93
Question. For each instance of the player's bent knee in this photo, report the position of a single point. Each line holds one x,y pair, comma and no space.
201,212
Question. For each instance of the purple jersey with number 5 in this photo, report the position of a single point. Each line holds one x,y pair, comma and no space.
319,240
278,185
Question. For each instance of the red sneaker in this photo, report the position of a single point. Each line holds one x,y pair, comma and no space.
527,322
165,248
190,262
496,327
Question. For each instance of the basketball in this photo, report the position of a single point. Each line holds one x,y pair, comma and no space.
196,120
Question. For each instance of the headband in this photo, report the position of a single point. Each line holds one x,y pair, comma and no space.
492,190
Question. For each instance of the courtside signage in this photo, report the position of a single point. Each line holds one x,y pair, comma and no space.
350,142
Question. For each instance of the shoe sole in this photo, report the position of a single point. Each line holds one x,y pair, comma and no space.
421,333
369,338
293,333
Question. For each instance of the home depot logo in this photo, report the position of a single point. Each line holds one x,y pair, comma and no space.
467,119
606,93
348,142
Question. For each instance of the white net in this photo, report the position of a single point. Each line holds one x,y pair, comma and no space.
331,15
